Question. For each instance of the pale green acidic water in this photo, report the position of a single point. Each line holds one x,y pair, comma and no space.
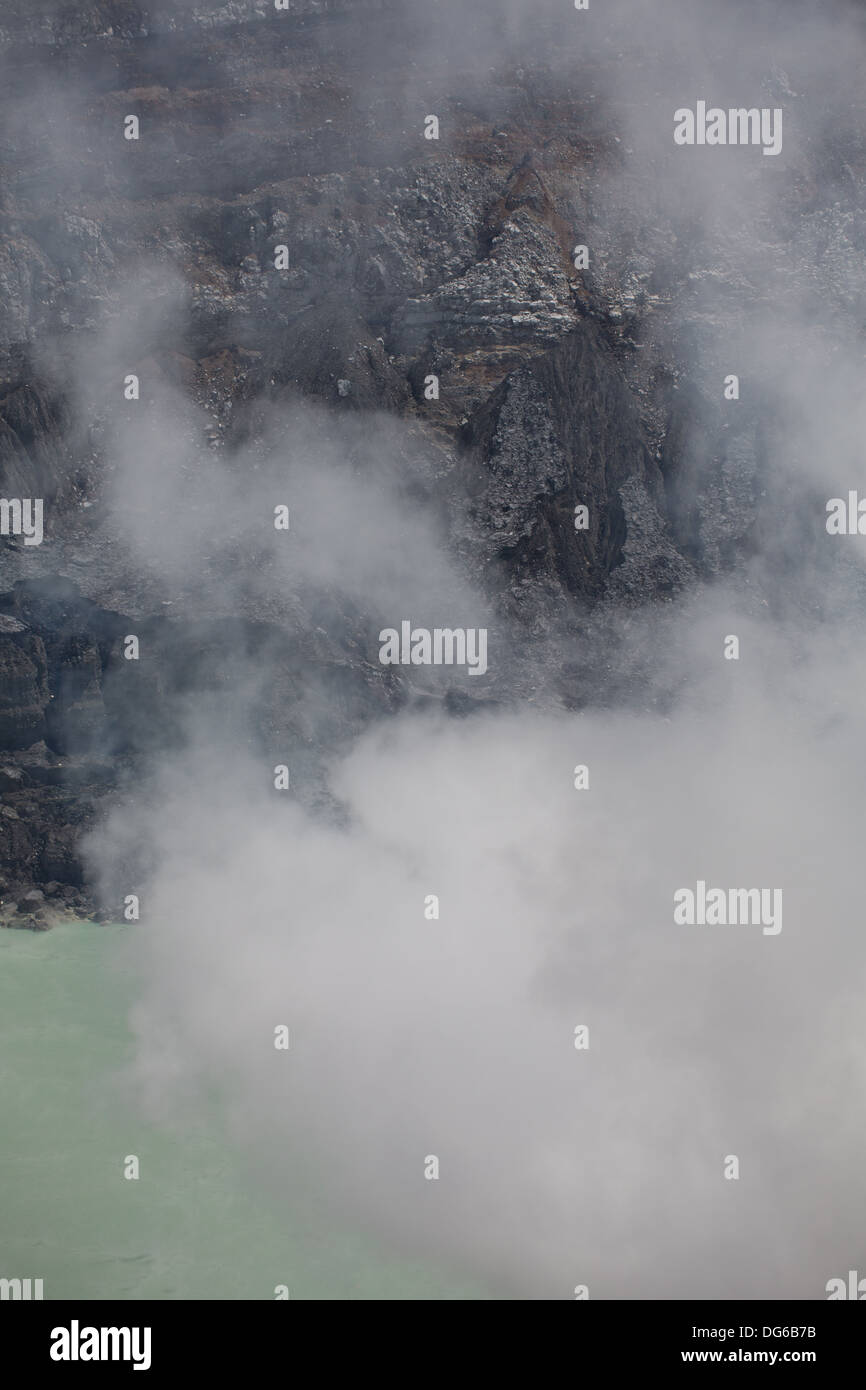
199,1227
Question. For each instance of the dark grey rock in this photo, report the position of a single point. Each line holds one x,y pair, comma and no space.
31,901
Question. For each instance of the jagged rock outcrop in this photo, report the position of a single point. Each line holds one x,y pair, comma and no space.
24,693
408,259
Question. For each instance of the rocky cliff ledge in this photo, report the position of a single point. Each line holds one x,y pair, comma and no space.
559,383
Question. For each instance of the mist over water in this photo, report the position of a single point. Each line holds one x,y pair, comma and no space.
452,1035
197,1225
455,1037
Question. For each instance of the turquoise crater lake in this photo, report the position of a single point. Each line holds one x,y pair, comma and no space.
197,1225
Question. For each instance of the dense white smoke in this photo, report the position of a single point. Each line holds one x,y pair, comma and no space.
454,1037
415,1036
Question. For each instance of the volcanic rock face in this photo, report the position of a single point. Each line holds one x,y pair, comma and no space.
409,261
